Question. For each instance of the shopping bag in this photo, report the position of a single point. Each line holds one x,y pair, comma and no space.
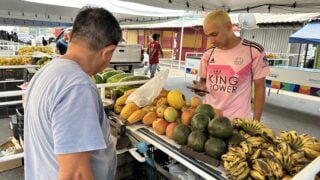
145,94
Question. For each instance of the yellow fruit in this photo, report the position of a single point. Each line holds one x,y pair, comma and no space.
128,109
136,116
163,93
117,108
149,118
176,99
161,101
121,100
195,101
127,93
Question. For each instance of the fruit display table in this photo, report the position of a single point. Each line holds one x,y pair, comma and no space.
299,80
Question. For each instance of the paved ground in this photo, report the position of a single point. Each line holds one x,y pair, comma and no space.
284,111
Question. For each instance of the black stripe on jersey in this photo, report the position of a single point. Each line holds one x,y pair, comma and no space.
258,46
254,46
245,40
212,47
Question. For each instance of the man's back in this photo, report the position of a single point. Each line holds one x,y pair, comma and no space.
64,115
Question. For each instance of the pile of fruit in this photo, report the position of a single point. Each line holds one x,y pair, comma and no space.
193,125
272,56
247,148
43,61
263,155
29,50
11,61
110,75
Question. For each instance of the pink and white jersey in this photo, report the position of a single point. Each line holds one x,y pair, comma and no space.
229,74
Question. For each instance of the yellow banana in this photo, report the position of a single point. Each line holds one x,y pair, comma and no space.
267,154
261,166
238,151
257,175
256,154
287,162
232,163
256,141
306,138
310,153
297,155
229,157
313,146
244,146
244,174
239,168
275,167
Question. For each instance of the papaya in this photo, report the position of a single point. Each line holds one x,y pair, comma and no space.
128,109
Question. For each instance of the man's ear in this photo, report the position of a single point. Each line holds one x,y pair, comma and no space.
107,51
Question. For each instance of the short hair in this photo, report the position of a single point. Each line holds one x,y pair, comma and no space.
155,36
97,27
218,17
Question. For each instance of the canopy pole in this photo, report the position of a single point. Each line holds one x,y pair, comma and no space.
299,55
181,39
305,55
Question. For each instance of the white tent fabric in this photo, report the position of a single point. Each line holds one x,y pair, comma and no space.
276,6
62,12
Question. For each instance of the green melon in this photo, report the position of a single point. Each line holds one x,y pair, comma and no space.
200,122
220,127
131,78
215,147
205,109
181,133
196,140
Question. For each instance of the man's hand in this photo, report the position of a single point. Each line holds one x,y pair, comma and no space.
74,166
200,85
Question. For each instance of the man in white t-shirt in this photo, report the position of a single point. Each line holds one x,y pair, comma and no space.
66,132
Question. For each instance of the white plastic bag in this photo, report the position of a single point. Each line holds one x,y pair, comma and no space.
145,94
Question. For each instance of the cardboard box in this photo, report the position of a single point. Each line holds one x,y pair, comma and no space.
7,165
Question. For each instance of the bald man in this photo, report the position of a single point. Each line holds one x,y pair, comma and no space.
229,67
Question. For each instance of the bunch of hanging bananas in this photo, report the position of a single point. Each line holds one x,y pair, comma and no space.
253,127
235,160
308,144
266,156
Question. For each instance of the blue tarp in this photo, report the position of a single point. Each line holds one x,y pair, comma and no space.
309,34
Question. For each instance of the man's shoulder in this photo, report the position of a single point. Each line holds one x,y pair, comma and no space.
256,46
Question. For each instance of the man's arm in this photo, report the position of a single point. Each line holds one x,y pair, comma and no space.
161,52
74,166
259,97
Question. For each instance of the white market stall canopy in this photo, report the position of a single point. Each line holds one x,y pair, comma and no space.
53,13
273,6
62,12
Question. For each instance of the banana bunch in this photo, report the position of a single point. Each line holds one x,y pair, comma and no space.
254,127
310,145
256,141
235,160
